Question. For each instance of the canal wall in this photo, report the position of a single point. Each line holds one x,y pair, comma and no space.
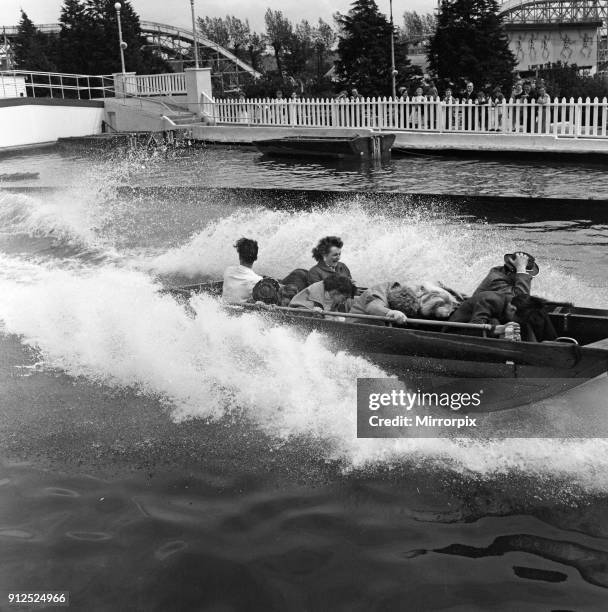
37,121
414,141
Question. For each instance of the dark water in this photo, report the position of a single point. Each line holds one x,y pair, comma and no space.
156,461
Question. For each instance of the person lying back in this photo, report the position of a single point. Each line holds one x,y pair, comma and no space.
389,299
327,294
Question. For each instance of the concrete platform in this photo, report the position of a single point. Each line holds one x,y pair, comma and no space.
415,141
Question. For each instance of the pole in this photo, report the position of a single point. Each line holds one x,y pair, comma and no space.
393,70
121,44
194,35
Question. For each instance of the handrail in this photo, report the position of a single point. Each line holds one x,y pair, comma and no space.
348,315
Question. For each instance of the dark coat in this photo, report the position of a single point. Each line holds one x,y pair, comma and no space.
321,271
485,307
503,280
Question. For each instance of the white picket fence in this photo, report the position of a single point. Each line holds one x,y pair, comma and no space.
557,117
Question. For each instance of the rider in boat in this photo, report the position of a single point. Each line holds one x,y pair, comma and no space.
240,280
512,278
273,293
435,302
486,307
327,253
327,294
389,299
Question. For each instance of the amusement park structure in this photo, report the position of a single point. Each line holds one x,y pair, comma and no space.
548,31
174,44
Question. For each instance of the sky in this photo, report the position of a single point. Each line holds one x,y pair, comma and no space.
177,12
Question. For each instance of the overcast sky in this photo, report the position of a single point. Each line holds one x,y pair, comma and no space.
177,12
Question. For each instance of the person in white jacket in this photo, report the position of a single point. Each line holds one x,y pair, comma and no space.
240,280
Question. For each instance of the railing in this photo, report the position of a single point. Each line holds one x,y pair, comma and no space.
13,83
556,117
157,84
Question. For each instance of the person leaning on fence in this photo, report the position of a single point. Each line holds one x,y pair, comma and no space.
543,100
241,113
450,113
498,100
526,119
482,113
415,117
469,97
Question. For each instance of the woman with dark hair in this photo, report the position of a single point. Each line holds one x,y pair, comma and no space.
327,253
240,280
328,294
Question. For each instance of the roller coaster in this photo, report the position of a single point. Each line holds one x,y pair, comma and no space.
175,45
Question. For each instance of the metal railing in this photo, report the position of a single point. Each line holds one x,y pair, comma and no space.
555,117
55,85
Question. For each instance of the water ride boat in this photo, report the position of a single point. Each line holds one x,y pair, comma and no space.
521,372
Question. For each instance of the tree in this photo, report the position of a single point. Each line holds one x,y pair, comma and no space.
324,38
364,48
215,29
255,48
74,48
417,26
33,49
470,42
279,33
230,32
88,39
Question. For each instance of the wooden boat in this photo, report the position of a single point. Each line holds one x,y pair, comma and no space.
333,147
521,372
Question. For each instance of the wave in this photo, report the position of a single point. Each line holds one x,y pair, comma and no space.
387,244
57,225
113,327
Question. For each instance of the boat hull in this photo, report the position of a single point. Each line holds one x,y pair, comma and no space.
520,372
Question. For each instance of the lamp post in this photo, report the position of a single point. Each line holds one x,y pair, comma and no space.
194,34
393,70
121,43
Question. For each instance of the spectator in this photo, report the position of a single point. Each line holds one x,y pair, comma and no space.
543,100
416,119
450,112
469,97
527,116
431,91
482,112
498,101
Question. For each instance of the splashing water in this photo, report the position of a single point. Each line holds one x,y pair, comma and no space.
412,247
113,327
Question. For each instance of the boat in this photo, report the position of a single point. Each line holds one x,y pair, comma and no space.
422,353
332,147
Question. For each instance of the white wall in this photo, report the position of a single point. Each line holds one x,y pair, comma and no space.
26,124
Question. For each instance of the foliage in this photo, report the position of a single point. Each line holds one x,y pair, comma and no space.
87,42
279,33
33,49
565,81
364,48
417,26
470,42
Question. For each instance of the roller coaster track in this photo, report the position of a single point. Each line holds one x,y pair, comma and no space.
554,11
175,42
